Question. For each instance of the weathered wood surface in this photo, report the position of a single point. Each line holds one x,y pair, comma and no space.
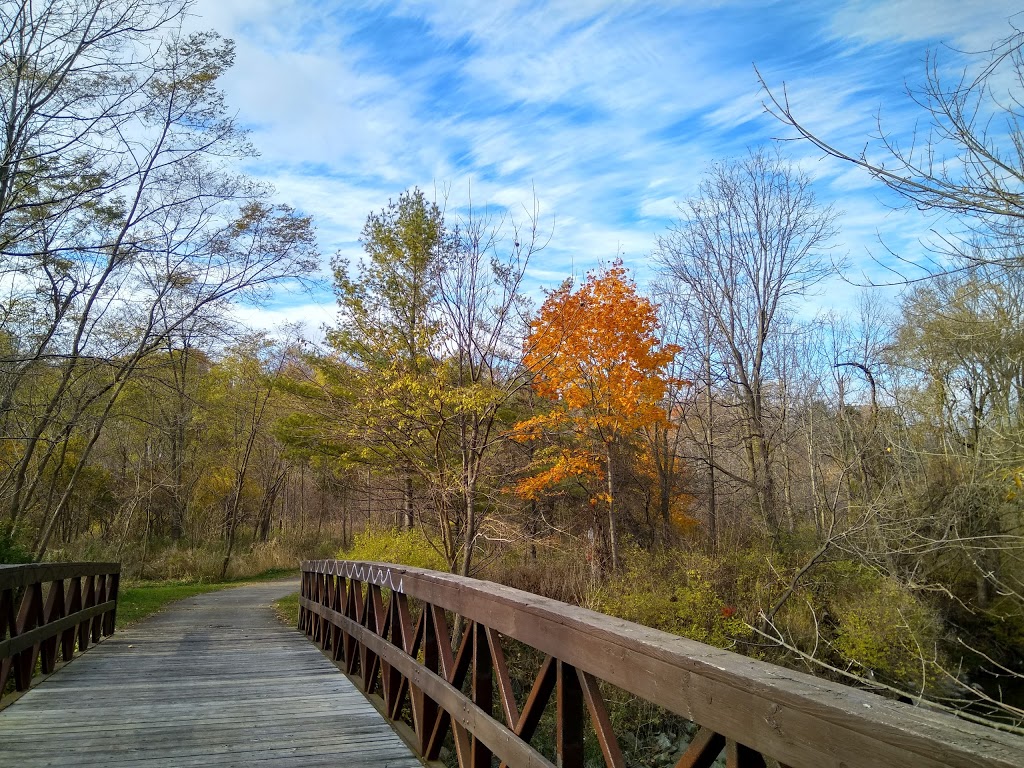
214,680
758,713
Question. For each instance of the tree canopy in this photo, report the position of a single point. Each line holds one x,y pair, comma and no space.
598,360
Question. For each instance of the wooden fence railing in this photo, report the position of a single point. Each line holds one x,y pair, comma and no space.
390,628
51,607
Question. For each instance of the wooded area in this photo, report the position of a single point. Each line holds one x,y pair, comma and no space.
841,493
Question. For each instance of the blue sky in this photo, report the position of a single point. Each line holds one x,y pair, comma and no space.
608,111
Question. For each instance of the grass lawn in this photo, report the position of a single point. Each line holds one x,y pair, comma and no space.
141,599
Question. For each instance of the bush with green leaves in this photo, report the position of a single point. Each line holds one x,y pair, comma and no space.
391,545
883,631
673,591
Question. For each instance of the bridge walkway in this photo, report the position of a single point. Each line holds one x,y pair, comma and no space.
213,680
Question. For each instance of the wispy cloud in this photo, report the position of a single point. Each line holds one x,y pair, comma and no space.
609,111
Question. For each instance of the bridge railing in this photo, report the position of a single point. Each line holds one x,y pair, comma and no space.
391,628
48,611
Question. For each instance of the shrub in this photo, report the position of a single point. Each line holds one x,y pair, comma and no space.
886,632
391,545
672,591
182,563
13,551
560,573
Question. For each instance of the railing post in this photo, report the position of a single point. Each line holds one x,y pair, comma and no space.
338,604
325,600
303,620
569,718
331,586
316,619
321,598
739,756
88,601
369,662
394,683
354,611
53,610
337,634
110,618
29,617
7,628
74,601
427,707
483,691
101,597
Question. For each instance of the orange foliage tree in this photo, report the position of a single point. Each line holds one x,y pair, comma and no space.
596,356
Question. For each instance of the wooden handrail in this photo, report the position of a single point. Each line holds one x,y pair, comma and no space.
49,606
758,713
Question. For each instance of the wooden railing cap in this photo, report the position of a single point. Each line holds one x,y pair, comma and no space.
22,574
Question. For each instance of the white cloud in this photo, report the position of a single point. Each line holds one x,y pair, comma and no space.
609,111
968,24
308,319
660,208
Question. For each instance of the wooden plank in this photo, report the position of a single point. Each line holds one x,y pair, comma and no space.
88,601
482,688
508,699
538,699
110,619
73,604
602,723
29,617
217,680
704,749
739,756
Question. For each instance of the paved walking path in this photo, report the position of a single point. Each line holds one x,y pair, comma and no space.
214,680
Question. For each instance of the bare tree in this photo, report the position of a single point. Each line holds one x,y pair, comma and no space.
694,429
948,524
750,241
484,313
968,161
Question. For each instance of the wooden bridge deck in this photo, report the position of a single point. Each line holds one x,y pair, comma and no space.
215,680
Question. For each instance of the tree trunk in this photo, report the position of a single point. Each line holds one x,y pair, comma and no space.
469,535
344,518
368,499
666,476
232,525
709,438
407,506
613,544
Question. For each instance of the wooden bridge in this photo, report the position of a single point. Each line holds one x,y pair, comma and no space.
467,671
215,680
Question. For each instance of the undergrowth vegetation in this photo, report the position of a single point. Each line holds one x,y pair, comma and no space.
287,608
409,547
